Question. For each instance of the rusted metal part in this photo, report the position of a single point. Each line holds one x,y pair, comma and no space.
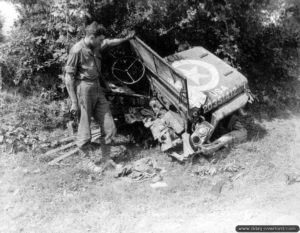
95,136
235,136
69,153
69,145
187,149
238,134
64,147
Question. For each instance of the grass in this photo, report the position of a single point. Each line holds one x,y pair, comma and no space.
65,199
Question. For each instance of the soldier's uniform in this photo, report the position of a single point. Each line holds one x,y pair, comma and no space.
85,65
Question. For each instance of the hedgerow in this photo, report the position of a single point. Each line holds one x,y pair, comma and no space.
256,36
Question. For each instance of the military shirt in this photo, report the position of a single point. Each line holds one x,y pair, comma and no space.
83,62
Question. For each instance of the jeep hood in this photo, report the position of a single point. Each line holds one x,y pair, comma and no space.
207,80
208,75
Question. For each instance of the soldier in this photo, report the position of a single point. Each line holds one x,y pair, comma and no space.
83,75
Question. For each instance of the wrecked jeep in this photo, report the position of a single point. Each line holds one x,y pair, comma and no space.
184,98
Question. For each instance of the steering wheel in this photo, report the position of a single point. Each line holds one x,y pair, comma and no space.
128,70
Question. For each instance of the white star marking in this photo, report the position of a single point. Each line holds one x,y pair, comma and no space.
203,81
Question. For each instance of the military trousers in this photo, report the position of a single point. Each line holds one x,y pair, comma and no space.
92,103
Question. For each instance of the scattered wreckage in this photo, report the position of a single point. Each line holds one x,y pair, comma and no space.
184,98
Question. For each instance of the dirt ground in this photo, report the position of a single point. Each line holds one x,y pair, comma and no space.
38,198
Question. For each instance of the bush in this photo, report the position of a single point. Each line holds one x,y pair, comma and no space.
38,47
36,113
1,32
240,32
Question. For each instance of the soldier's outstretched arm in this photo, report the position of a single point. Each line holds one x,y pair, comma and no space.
108,43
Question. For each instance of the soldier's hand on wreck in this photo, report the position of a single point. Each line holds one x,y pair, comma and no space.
107,87
74,108
130,35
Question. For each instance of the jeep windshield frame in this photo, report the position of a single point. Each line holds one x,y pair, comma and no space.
163,77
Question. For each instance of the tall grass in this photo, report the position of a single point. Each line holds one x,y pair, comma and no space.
34,113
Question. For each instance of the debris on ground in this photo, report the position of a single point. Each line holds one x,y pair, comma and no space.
159,184
221,186
292,178
61,150
14,139
1,138
178,156
217,188
118,151
141,170
157,178
237,176
90,166
232,170
232,167
209,170
27,171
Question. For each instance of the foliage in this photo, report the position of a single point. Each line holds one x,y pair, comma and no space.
38,46
34,114
23,119
1,26
240,32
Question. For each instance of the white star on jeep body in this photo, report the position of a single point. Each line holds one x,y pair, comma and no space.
199,74
193,74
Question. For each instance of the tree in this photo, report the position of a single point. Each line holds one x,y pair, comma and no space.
235,30
37,48
1,27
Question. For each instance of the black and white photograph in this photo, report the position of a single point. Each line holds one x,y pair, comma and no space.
149,116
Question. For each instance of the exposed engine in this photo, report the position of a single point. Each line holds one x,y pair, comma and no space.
166,126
